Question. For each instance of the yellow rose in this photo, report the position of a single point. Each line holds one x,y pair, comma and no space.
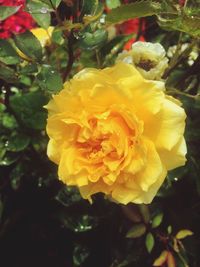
114,132
43,35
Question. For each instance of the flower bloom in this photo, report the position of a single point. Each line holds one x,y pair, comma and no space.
148,58
43,35
114,132
131,26
17,23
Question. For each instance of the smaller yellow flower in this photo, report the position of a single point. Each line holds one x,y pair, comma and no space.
148,58
44,36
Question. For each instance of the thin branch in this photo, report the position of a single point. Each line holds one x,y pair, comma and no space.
179,59
70,57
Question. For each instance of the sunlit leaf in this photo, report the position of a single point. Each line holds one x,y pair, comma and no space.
183,233
133,10
56,3
157,220
161,259
40,12
180,22
149,242
170,260
112,3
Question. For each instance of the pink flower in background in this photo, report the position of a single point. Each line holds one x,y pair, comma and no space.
17,23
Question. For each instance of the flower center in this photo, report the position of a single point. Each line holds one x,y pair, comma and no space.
146,64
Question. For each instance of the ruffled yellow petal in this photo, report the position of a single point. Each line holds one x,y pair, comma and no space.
146,197
176,156
54,150
167,127
68,171
152,170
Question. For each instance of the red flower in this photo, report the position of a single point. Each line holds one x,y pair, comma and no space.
181,2
131,26
17,23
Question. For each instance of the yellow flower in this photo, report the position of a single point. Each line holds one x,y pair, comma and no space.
114,132
43,35
149,59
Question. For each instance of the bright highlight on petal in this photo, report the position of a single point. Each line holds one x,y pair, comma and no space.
114,132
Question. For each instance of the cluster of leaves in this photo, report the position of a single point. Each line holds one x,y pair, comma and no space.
45,223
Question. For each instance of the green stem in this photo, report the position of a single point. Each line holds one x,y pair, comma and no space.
70,57
177,92
98,58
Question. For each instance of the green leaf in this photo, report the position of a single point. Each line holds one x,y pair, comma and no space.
161,259
67,196
144,210
7,11
49,79
29,109
170,260
9,121
79,224
90,6
8,159
17,142
39,143
56,3
16,174
133,10
57,36
2,149
8,55
113,3
29,69
80,254
96,10
149,242
40,12
136,231
29,45
169,229
7,74
157,220
94,40
180,22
